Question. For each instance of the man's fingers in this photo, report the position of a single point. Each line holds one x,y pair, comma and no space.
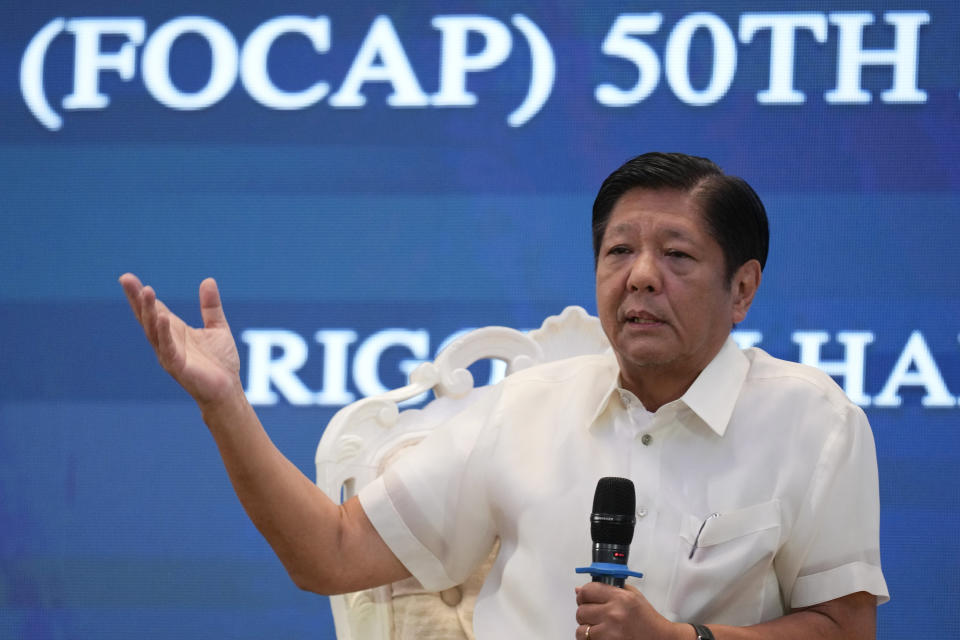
596,593
131,288
166,345
211,310
149,314
589,613
149,311
589,632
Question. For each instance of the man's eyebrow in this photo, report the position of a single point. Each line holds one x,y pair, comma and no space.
672,233
620,227
678,234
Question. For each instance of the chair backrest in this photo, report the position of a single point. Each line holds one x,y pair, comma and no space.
364,437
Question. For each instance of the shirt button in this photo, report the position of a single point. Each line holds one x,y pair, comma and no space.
646,439
641,512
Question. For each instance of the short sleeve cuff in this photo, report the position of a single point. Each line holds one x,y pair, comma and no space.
388,522
839,582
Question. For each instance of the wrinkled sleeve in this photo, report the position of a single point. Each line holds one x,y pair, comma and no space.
834,549
431,507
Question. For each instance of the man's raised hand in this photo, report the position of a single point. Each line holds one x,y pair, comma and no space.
204,361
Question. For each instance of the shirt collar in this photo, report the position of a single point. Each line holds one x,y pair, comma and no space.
612,371
712,396
714,393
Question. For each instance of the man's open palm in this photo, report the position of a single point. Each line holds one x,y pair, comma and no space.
204,361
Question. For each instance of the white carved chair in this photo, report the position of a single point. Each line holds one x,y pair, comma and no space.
363,438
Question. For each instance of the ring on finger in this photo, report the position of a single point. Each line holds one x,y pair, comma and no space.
586,636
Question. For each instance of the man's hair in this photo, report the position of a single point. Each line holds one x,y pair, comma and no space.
733,212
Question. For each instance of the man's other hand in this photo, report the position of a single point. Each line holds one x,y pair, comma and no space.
610,613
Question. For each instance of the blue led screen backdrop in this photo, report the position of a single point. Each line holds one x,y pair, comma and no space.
365,180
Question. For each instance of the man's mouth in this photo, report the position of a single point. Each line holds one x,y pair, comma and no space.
643,317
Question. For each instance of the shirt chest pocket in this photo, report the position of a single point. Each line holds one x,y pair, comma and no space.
730,574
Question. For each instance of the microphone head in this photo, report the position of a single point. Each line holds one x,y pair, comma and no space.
614,505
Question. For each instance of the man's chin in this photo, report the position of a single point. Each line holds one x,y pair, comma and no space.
644,358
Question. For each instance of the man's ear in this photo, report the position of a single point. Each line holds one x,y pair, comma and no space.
744,286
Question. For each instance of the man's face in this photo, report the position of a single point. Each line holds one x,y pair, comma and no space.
662,295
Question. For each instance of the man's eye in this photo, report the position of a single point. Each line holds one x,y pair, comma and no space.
673,253
618,250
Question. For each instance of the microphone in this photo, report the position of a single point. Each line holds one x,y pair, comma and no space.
611,524
611,529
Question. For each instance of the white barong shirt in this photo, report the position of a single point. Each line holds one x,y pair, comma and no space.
774,448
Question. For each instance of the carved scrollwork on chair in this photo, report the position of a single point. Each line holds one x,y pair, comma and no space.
363,439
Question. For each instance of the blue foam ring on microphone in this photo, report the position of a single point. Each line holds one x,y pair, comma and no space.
609,569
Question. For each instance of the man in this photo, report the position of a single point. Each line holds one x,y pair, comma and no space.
756,478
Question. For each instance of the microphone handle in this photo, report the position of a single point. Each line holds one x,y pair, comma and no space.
615,581
613,554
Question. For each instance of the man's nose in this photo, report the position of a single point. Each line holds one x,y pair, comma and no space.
644,273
